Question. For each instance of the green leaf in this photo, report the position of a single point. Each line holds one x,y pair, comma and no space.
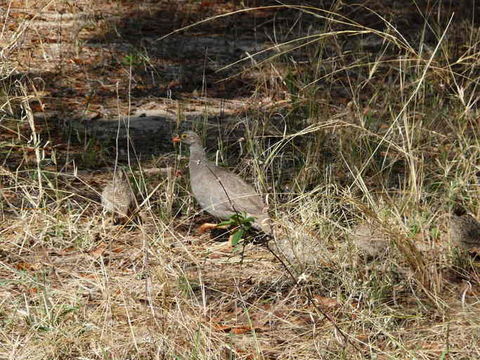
225,223
444,354
237,236
234,218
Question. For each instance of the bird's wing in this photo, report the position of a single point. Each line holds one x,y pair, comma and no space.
241,194
225,192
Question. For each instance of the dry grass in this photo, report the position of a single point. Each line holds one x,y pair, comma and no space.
345,124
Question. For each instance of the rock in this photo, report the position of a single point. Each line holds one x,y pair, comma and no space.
141,135
148,131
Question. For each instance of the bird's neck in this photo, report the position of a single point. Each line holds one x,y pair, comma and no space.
197,153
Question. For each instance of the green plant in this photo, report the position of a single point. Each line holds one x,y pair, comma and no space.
241,223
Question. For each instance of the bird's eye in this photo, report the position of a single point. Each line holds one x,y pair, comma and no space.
183,136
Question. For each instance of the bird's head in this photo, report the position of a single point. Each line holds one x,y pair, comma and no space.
188,137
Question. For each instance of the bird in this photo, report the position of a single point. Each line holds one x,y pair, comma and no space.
464,229
220,192
118,197
370,240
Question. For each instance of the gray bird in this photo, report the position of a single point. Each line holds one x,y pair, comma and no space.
118,197
220,192
464,229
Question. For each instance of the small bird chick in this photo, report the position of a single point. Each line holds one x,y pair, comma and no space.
465,230
371,242
118,197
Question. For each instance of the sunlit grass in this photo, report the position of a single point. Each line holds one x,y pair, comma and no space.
347,125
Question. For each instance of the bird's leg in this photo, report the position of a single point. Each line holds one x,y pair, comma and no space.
209,226
206,227
242,254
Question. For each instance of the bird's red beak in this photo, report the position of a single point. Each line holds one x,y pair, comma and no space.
176,139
